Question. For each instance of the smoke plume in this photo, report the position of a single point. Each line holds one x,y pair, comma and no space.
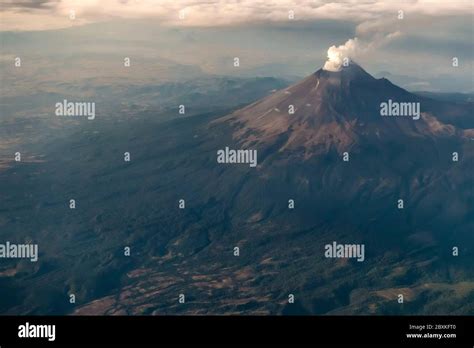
373,38
337,55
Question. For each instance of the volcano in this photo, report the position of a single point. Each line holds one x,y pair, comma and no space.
303,133
336,110
240,239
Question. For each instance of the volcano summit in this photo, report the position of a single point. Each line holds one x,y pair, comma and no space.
335,110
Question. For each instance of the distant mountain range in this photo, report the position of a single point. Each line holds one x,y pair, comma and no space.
441,84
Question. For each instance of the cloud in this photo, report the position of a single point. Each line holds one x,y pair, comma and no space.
27,5
52,14
372,35
337,54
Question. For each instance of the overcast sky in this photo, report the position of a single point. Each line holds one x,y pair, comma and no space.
414,38
50,14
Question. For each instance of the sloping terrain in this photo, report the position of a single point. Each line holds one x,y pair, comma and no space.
190,251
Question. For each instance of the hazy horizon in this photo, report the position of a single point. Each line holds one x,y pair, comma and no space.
283,39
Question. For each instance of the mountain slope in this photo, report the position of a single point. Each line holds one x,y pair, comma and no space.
333,109
409,251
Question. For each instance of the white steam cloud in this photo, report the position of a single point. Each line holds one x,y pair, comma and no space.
355,47
337,55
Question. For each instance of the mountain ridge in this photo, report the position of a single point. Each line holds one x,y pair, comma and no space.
334,110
